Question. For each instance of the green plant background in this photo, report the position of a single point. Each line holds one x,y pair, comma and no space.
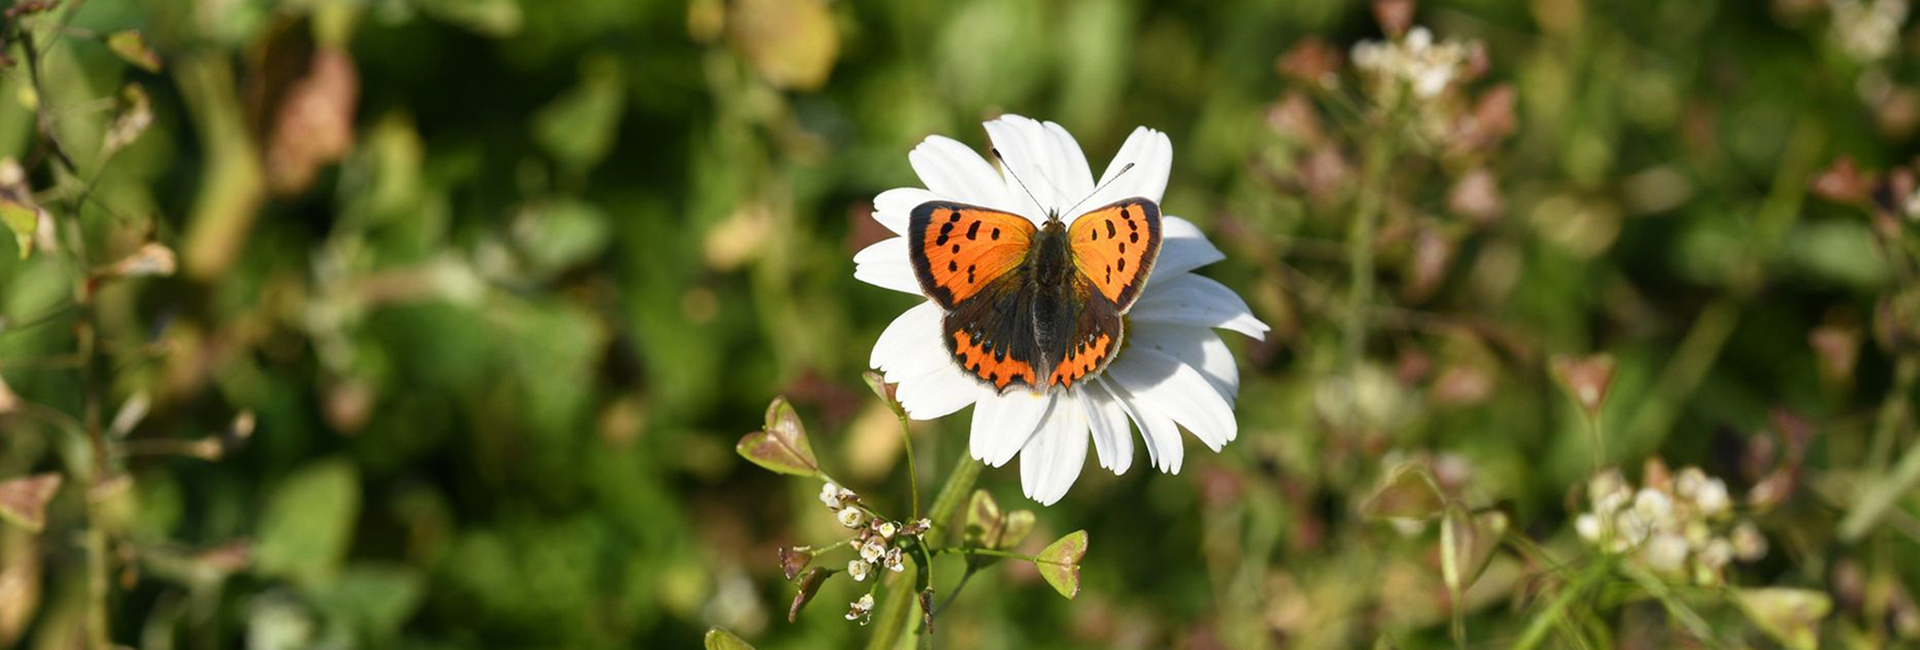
499,353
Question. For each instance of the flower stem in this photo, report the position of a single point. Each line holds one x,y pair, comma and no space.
988,552
895,615
913,475
1537,629
947,501
1360,234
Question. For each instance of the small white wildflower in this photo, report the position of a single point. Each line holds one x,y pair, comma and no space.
1748,544
1687,484
1631,530
1653,505
851,517
859,570
1712,498
1588,525
1665,552
885,528
872,551
1718,553
860,608
895,560
1608,491
1698,534
830,495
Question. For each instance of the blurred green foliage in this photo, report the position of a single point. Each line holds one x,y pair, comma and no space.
474,298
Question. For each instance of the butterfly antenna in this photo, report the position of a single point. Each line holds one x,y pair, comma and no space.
1016,177
1096,191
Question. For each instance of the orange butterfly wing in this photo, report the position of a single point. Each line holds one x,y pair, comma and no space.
959,249
1115,246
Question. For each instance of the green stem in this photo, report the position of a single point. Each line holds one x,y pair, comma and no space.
1893,411
896,612
1695,625
1880,498
1683,374
1360,235
987,552
913,474
1599,443
947,501
1537,628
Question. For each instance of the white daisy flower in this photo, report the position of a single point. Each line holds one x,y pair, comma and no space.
1173,370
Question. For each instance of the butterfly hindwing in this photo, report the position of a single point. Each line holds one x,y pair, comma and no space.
958,249
1115,246
991,333
1082,337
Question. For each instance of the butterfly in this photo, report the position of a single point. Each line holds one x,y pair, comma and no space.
1028,306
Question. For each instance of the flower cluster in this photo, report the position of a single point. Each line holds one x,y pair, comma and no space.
1680,525
878,541
1413,62
1868,30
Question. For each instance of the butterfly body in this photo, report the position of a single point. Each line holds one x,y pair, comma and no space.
1033,307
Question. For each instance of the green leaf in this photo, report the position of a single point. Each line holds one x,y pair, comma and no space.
878,384
17,209
782,446
496,18
560,234
377,598
1408,493
309,522
1060,563
1790,616
983,518
132,47
23,501
579,127
989,527
720,639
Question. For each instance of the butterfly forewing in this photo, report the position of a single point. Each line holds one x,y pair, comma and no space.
959,249
1115,246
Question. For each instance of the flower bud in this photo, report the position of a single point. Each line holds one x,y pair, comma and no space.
1748,544
793,560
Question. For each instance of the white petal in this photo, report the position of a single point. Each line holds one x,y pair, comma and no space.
1182,248
1002,423
952,170
1151,154
885,265
1070,169
1112,435
936,393
1027,152
1188,299
911,343
894,207
1160,383
1054,455
1162,435
1195,346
